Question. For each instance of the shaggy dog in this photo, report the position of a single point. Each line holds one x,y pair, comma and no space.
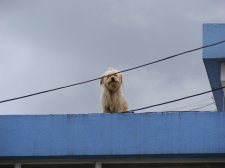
112,99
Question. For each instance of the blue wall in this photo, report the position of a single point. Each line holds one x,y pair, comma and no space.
213,56
213,33
112,135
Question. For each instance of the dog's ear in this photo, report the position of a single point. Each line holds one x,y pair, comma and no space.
121,78
101,80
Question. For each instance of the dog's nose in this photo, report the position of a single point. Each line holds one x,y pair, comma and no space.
113,79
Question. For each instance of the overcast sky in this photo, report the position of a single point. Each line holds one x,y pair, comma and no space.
50,43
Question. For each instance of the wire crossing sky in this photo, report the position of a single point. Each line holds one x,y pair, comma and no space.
176,100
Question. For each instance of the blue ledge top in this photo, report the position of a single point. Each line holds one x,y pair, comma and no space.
213,57
112,135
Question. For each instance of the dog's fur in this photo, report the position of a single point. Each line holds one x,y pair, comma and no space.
112,98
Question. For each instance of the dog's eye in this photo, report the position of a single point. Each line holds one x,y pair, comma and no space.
116,75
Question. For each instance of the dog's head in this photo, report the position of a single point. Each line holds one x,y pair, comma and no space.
111,80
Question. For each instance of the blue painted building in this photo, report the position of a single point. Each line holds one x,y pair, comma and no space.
214,59
169,139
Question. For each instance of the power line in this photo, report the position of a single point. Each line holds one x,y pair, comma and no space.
176,100
193,104
129,69
194,109
206,105
163,59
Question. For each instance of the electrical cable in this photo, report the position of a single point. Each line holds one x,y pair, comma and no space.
196,108
175,100
193,104
129,69
201,107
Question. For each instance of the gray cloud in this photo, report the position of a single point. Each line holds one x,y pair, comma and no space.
46,44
